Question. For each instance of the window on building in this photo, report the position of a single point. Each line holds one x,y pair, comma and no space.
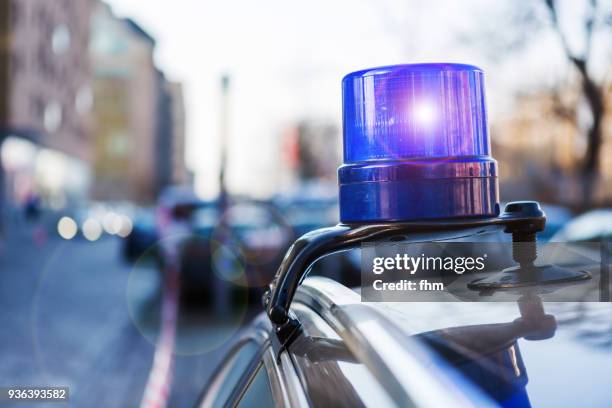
60,39
53,116
83,100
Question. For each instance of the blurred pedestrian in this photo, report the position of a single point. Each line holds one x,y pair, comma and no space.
32,207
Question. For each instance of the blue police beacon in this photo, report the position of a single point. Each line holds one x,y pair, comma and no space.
416,160
416,145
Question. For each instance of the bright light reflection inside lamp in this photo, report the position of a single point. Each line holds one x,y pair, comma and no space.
424,113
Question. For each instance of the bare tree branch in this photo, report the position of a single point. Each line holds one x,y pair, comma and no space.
592,92
554,17
589,28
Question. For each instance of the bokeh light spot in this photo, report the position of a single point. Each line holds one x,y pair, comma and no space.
67,228
92,230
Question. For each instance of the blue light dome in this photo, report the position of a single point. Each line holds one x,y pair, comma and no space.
416,145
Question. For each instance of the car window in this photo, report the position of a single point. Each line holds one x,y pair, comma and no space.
258,393
230,375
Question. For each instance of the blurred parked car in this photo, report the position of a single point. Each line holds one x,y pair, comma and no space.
175,207
308,211
593,226
306,214
143,237
587,232
240,248
556,218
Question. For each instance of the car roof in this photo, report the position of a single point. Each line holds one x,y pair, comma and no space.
386,350
579,352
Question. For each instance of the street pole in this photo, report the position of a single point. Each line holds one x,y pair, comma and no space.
223,199
221,296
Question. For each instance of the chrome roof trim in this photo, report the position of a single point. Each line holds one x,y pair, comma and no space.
296,391
277,385
284,381
409,372
259,334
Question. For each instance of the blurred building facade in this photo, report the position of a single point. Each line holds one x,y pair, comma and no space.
171,169
45,99
84,111
540,145
180,174
311,152
138,115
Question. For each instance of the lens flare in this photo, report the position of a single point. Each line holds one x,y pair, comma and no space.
227,262
205,324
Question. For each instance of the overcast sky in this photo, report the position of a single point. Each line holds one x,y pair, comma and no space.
286,59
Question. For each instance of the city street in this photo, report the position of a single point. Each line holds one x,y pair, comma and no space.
74,314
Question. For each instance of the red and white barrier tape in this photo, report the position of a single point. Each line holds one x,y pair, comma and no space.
159,383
